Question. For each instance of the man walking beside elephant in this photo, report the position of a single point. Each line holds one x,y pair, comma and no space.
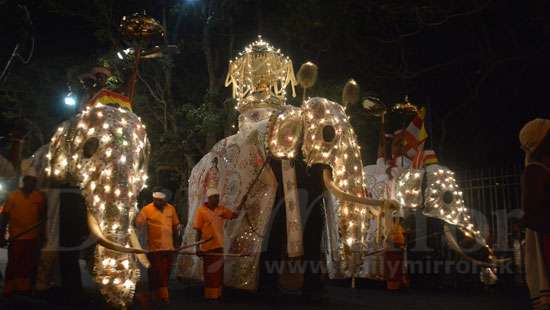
162,221
24,212
208,222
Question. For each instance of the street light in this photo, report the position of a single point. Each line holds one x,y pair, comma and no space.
70,99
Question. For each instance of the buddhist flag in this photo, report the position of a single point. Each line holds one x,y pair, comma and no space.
415,134
430,158
108,97
424,158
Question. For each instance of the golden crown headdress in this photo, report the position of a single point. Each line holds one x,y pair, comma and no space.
260,67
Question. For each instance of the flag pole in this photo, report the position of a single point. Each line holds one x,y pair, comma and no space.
428,120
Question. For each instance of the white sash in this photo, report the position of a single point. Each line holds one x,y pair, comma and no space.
292,207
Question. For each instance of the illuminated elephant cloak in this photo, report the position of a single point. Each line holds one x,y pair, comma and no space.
435,192
104,151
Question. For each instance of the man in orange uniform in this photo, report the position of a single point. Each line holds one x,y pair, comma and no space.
394,256
162,222
208,222
24,212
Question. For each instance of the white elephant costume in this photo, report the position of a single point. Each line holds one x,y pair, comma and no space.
242,168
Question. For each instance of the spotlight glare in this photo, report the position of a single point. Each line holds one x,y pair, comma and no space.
70,100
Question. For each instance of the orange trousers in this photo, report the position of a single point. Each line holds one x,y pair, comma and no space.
213,274
393,269
159,273
21,268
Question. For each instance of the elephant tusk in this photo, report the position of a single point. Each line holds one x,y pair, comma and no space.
453,244
372,203
134,241
102,240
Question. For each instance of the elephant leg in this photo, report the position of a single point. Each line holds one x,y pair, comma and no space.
72,231
275,249
313,230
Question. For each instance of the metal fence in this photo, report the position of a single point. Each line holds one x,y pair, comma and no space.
494,196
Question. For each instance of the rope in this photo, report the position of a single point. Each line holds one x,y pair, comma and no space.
249,222
186,246
26,231
215,254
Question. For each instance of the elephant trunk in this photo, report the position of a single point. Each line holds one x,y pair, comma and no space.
111,174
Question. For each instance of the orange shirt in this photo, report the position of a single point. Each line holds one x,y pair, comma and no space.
210,224
24,212
159,226
398,235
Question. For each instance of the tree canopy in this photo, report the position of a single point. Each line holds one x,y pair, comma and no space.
475,64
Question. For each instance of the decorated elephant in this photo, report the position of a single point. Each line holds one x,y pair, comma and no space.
271,134
433,190
103,150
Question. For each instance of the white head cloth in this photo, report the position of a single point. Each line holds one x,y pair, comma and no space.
212,192
27,169
159,195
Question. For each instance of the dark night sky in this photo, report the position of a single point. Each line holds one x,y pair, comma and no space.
484,133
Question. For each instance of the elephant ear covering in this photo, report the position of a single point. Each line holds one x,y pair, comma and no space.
285,133
104,150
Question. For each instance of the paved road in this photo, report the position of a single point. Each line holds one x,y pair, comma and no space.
374,299
336,296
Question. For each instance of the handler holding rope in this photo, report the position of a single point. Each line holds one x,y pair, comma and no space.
24,212
208,222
